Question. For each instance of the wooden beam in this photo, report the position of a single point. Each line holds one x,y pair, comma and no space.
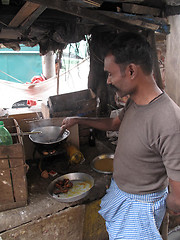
27,9
86,3
121,1
148,22
29,20
139,9
10,33
88,14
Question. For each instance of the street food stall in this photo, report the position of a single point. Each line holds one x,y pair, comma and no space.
42,207
49,156
34,170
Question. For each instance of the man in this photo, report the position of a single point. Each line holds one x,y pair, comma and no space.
148,153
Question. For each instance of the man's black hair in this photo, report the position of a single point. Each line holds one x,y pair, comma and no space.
128,47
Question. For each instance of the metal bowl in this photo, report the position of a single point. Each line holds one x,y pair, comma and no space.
48,135
104,169
82,184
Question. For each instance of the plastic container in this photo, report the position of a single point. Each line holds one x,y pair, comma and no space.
5,136
75,156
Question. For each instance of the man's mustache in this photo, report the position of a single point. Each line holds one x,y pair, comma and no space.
113,88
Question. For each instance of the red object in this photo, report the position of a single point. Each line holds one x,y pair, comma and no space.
31,103
37,79
52,173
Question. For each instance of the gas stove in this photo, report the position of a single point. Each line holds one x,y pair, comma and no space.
55,158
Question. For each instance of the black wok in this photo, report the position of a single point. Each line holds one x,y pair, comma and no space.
50,135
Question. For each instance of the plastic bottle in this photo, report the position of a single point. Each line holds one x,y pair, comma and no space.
75,156
92,141
5,136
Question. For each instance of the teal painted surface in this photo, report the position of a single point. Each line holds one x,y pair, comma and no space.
22,65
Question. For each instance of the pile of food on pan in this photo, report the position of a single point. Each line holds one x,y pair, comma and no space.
62,186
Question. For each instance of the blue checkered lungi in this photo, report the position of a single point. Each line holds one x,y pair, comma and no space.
133,216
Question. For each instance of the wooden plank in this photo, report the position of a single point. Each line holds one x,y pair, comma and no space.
19,183
25,116
6,183
29,21
13,182
139,9
10,124
87,3
121,1
6,163
27,9
5,205
22,21
13,151
9,33
16,162
88,14
13,127
63,225
153,23
81,100
132,19
6,195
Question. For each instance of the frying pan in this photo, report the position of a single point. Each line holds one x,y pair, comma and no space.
49,135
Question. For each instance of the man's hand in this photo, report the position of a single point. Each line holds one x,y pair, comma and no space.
173,198
69,122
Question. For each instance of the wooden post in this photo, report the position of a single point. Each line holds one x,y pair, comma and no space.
156,69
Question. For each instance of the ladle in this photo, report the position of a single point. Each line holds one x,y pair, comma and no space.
62,130
25,133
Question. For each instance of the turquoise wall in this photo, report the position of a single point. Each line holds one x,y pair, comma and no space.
22,65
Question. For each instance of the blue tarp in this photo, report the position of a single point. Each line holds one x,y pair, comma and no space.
22,65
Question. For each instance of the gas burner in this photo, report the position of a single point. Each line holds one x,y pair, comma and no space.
51,158
49,152
58,163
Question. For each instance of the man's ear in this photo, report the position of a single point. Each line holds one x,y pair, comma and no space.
132,70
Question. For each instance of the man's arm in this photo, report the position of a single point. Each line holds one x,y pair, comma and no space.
173,199
104,124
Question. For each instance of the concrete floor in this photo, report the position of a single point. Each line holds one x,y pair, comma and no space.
47,218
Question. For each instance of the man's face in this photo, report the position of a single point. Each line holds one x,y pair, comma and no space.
117,78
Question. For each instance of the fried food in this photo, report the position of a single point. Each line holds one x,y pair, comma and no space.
62,186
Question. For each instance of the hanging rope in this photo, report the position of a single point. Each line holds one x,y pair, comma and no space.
11,76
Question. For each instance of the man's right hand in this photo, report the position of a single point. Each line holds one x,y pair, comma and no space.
69,122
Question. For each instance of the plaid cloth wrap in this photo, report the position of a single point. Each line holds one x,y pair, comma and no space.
133,216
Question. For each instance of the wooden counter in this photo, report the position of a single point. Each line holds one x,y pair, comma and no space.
23,223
